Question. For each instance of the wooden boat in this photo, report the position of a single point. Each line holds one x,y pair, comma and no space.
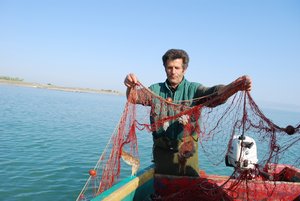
285,185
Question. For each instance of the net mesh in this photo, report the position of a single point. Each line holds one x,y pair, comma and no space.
216,129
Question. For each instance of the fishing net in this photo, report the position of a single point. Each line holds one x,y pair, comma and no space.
236,124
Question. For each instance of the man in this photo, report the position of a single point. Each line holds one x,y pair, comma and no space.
168,142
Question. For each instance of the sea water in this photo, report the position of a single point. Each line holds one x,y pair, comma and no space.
50,139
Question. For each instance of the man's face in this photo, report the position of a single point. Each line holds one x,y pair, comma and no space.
175,71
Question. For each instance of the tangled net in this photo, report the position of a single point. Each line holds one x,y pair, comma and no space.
216,129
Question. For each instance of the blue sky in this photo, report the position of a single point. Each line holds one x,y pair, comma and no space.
95,44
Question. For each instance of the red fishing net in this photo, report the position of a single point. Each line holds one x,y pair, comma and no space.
227,134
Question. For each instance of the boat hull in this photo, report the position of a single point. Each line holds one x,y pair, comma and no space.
137,187
206,187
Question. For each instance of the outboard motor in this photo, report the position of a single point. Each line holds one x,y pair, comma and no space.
242,153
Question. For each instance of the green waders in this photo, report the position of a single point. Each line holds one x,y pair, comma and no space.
167,158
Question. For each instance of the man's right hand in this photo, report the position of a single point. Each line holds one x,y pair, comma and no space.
130,80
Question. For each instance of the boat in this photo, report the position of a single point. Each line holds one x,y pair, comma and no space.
141,187
249,181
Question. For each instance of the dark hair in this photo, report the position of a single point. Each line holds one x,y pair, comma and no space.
173,54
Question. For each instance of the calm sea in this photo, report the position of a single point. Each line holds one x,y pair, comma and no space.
50,139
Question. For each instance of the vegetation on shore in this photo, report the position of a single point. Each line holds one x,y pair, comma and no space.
11,78
20,82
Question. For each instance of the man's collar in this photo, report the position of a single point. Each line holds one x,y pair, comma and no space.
172,88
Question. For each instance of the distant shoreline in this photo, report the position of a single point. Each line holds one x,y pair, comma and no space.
59,88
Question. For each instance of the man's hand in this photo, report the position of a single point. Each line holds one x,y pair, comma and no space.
130,80
244,83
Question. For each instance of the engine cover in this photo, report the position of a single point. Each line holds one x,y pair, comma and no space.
242,153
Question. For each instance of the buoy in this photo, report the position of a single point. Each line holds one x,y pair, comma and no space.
169,99
81,197
290,130
93,172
